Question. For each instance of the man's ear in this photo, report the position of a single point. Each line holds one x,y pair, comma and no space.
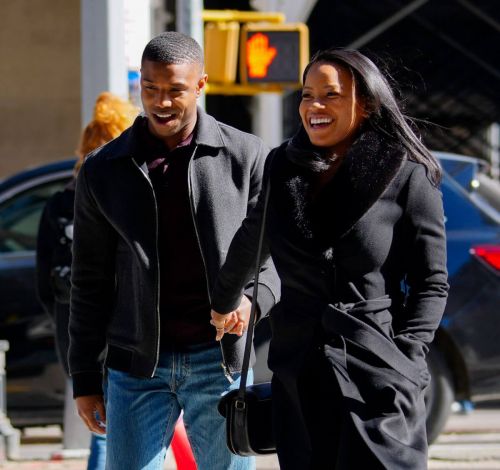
201,84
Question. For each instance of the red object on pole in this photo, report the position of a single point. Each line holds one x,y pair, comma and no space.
181,449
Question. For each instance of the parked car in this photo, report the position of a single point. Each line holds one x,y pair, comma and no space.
464,359
35,384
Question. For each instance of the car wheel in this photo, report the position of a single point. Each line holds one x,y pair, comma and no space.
439,395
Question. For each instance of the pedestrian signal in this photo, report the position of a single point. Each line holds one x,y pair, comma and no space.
273,53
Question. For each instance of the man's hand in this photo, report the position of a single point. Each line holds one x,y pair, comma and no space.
221,321
87,407
235,322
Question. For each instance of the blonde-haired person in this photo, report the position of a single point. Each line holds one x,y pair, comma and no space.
112,115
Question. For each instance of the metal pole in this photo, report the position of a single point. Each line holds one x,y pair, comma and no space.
103,52
4,347
388,23
267,118
494,149
10,437
480,14
189,21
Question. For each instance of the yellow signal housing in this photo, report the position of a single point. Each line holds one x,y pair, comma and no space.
221,51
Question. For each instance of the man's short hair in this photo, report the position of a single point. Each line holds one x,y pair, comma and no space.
172,47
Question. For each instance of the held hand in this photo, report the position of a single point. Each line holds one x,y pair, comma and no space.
87,407
222,321
235,322
243,316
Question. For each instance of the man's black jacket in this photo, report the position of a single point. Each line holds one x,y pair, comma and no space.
115,271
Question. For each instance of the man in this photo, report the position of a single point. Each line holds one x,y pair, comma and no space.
155,212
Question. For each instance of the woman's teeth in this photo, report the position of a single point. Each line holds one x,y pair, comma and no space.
317,121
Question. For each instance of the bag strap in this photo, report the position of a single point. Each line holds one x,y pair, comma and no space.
251,322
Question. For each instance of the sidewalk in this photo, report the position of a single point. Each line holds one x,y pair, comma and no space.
469,442
41,449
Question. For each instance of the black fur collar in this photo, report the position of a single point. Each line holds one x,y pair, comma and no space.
367,170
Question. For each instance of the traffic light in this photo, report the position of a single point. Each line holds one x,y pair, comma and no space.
273,53
269,53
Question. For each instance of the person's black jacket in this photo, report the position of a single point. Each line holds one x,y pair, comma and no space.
115,272
53,255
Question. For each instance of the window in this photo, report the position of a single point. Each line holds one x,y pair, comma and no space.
20,216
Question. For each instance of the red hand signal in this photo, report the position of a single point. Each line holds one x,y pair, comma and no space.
259,55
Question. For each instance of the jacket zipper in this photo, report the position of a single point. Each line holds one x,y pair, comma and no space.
191,205
157,358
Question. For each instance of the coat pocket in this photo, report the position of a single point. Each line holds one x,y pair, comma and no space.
346,321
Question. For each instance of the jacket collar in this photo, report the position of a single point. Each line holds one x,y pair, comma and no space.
367,171
206,133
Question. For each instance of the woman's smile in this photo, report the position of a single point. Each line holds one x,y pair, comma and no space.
320,122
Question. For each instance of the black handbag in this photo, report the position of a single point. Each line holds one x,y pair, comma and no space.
248,409
249,426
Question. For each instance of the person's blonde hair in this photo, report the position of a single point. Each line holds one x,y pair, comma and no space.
112,115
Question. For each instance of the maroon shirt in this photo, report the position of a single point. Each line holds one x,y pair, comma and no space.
184,300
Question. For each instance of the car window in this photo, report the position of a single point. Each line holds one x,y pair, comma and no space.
20,216
460,209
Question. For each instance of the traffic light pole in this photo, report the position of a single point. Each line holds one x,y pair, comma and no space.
267,118
189,20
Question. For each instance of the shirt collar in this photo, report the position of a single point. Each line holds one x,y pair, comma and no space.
207,133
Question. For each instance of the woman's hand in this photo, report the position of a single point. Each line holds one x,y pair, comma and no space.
235,322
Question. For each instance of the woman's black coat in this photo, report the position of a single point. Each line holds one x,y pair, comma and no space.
363,272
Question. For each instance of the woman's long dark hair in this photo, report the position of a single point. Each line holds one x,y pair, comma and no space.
385,115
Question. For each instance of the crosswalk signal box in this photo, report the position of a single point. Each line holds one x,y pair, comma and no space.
273,53
221,51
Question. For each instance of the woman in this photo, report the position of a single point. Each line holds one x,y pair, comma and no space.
112,116
355,229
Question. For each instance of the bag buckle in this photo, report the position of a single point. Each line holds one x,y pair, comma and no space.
240,405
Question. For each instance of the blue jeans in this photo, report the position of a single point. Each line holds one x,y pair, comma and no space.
97,457
142,413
